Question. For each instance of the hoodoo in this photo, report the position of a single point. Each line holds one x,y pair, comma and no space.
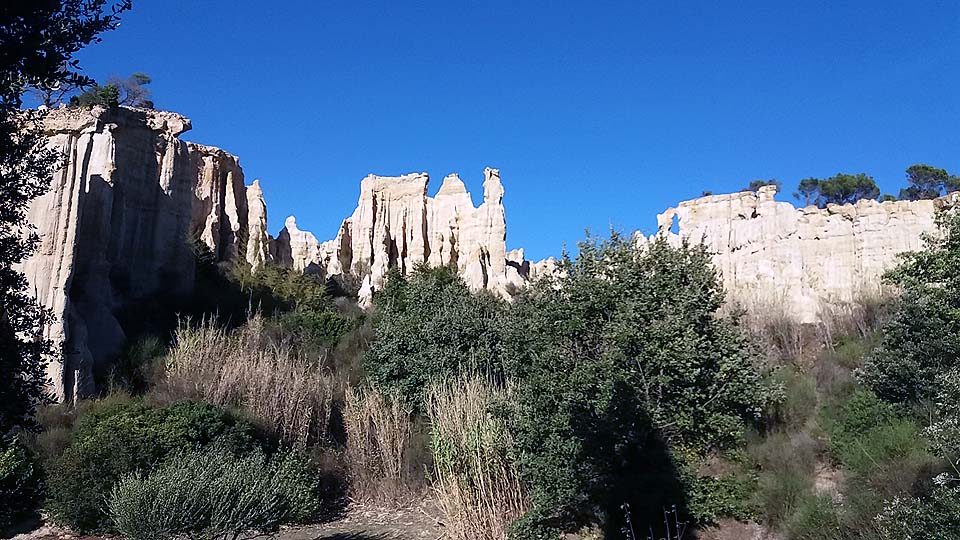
117,223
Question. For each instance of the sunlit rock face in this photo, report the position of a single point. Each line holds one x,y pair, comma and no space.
800,260
121,222
397,225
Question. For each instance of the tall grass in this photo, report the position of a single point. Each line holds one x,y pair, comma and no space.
267,377
379,450
478,489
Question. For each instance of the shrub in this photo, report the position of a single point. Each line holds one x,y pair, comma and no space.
380,451
270,379
786,463
214,494
21,484
127,437
922,338
634,373
799,399
936,517
430,327
817,519
883,451
478,488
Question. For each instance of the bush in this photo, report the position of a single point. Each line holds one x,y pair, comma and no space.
786,463
922,338
429,327
634,377
936,517
817,519
478,487
799,399
214,494
21,484
128,437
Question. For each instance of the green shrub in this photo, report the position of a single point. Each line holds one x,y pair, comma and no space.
873,441
634,377
786,464
936,517
799,399
430,327
21,483
922,338
714,497
817,519
127,437
214,494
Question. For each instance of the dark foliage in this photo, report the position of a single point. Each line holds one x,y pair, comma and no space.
37,42
921,340
839,189
127,437
927,182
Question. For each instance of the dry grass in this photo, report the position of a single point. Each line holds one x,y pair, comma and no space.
379,447
477,487
789,341
266,377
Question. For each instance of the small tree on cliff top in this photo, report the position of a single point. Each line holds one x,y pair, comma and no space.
37,42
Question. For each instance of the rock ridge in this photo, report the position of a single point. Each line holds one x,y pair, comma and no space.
397,225
801,261
121,222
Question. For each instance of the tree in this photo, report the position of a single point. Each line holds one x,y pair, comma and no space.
133,91
634,375
928,182
808,191
839,189
921,341
430,326
107,96
37,42
755,185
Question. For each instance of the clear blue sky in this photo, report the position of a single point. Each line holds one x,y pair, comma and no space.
597,113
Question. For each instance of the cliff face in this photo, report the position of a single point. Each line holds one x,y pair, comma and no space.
801,259
397,224
117,224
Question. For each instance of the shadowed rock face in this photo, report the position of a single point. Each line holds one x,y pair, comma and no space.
118,222
396,224
800,260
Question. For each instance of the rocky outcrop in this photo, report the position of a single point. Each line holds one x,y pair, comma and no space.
396,224
800,260
121,223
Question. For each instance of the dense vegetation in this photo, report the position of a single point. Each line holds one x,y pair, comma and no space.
618,397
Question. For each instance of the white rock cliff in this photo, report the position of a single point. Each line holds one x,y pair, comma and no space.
117,225
397,224
799,260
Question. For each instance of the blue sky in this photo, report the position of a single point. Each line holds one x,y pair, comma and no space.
598,113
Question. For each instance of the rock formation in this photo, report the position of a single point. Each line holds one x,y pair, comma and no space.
798,260
117,225
131,204
397,224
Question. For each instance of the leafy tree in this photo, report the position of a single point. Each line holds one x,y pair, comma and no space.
808,191
37,42
927,182
755,185
430,326
133,91
839,189
107,96
921,340
634,377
